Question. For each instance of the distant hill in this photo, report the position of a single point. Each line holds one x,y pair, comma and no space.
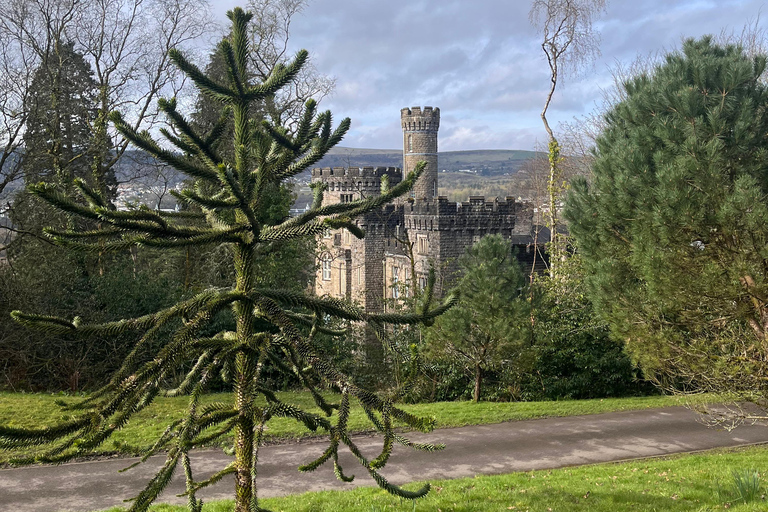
140,168
494,162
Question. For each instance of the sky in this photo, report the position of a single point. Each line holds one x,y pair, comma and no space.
479,61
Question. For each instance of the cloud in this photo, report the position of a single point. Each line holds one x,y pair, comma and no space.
479,61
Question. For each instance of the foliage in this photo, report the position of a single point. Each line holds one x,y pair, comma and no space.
574,356
744,487
486,329
279,325
673,226
57,282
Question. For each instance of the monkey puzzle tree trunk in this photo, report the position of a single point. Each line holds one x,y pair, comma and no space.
245,381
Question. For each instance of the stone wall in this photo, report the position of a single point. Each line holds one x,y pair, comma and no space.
351,183
433,231
420,144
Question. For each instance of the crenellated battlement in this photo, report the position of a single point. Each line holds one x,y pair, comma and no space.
475,204
356,172
354,182
476,213
417,119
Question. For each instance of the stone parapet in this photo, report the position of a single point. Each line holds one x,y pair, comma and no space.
356,172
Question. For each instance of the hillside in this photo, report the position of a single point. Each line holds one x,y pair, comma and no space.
496,162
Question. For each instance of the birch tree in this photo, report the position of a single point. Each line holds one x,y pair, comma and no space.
569,44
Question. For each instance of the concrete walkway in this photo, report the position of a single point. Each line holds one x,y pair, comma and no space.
486,449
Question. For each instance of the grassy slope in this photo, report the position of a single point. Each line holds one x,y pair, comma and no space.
700,482
37,410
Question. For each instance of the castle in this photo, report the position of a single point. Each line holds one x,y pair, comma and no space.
402,240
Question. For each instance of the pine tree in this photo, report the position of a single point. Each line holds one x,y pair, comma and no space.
267,324
58,140
673,228
487,328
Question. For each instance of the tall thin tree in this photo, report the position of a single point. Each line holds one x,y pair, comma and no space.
264,324
569,43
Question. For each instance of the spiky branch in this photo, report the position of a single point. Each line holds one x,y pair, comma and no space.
274,327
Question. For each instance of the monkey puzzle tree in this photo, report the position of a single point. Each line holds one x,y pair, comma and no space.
673,228
266,324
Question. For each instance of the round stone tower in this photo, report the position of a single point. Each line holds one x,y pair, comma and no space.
420,143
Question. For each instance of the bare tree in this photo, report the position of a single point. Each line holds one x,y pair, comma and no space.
569,44
270,33
126,43
17,63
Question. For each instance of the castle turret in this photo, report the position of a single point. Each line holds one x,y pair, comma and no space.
420,143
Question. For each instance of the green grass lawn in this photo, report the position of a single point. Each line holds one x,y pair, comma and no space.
36,410
700,482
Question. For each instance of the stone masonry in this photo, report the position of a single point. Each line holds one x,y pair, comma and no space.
404,239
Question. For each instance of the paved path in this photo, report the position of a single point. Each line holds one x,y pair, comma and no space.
486,449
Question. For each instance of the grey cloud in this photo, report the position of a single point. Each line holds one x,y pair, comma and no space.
478,61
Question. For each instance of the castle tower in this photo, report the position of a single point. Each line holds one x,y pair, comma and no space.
420,143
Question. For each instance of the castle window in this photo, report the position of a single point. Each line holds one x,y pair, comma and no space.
326,268
422,244
410,143
422,282
407,284
395,279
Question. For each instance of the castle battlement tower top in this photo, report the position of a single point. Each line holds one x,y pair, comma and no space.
420,128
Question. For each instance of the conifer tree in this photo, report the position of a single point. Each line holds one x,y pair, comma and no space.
673,227
59,140
267,324
487,328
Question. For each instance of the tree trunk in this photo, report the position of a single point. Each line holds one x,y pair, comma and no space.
478,382
245,372
554,187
